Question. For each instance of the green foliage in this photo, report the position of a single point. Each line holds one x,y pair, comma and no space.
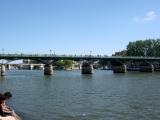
121,53
68,63
64,64
149,47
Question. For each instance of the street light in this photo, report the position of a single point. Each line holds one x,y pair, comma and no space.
3,54
3,51
50,52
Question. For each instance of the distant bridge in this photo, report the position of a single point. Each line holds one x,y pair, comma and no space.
74,57
49,59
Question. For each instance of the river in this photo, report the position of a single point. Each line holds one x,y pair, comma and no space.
69,95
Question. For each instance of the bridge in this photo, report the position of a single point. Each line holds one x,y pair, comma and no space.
49,59
73,57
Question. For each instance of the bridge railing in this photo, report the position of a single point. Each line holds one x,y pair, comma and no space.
48,55
75,56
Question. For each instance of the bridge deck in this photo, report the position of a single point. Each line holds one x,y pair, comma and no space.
75,57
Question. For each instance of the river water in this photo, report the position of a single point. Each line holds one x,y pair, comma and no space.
69,95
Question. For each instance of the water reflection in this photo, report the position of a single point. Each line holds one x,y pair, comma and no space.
48,77
87,76
2,78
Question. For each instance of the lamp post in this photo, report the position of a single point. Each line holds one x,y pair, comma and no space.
50,52
2,54
90,53
3,51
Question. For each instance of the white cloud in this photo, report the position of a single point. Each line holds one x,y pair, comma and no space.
149,16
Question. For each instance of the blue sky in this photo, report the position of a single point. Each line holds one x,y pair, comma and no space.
76,26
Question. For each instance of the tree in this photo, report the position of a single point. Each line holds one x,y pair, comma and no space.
149,47
68,63
135,48
64,64
120,53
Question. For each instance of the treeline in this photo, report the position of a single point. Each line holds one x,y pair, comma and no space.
63,64
60,64
149,47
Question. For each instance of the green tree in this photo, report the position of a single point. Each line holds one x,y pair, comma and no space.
64,64
149,47
120,53
135,48
68,63
59,64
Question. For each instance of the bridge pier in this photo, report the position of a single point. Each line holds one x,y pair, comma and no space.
20,66
80,67
8,66
48,69
31,67
2,70
146,68
87,68
120,69
41,67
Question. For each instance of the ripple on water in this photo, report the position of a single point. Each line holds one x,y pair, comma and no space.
68,95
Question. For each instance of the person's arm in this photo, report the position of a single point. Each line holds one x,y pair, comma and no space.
6,110
5,107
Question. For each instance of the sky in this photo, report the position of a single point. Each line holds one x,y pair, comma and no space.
99,27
